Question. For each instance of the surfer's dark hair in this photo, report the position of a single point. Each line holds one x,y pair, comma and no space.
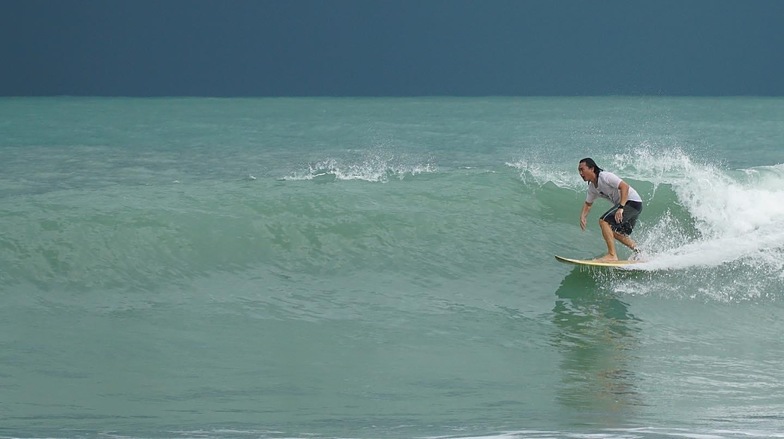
592,165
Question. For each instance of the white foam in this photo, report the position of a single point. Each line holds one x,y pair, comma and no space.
535,172
716,252
377,168
739,214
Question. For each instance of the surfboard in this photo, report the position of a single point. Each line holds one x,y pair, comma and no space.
592,263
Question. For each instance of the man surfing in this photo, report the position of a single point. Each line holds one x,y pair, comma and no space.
618,222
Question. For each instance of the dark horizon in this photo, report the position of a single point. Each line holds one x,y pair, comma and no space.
386,48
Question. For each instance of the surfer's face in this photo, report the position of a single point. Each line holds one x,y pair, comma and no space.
585,172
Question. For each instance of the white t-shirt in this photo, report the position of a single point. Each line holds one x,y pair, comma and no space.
608,189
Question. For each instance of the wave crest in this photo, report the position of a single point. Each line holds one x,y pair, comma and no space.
378,169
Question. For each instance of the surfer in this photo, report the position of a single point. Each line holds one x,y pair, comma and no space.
618,222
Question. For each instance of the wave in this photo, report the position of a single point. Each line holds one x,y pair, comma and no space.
701,220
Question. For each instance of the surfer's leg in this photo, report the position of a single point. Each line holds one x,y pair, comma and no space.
625,240
629,242
612,230
609,239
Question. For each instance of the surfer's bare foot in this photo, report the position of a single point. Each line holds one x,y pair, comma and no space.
607,258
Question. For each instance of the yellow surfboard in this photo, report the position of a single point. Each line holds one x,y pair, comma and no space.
592,263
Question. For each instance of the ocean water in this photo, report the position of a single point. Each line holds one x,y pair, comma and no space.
383,268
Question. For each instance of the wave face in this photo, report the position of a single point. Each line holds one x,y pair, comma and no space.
384,268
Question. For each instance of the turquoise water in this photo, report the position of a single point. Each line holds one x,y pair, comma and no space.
383,268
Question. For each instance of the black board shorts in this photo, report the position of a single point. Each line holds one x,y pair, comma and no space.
630,213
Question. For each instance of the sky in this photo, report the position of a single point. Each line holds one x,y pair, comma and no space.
391,47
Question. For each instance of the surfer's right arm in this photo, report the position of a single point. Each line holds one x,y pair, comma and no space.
584,214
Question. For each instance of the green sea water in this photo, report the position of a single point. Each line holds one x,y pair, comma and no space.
383,268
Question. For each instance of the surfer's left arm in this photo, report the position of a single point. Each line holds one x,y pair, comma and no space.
623,187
